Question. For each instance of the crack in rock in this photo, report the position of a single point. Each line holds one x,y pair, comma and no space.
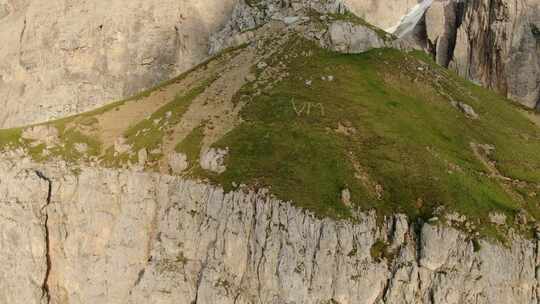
45,285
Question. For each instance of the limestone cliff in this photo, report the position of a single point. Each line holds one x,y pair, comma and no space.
108,236
59,58
496,43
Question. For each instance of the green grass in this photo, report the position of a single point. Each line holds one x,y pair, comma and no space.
10,138
70,137
192,144
408,143
407,135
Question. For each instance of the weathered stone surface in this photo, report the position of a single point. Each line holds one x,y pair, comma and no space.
62,57
47,135
466,109
491,42
127,237
346,37
23,253
214,160
142,157
178,162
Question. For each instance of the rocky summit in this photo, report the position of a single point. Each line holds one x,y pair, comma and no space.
270,151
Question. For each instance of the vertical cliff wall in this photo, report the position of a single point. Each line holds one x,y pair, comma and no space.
107,236
62,57
496,43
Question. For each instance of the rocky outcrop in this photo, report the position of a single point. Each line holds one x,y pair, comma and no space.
63,57
346,37
248,15
326,22
107,236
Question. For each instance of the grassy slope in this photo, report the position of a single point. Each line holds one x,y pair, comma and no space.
152,137
407,136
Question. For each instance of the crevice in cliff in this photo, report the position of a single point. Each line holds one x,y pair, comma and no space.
386,288
416,230
263,252
45,284
444,47
314,256
21,36
204,266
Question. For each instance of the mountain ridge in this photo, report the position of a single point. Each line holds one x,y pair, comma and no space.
224,122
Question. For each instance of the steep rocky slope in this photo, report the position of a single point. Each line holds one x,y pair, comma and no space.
385,129
112,236
496,43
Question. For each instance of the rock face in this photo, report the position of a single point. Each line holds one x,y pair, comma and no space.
328,29
348,38
64,57
496,43
247,16
106,236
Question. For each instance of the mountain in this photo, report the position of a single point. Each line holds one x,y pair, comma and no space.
314,158
66,57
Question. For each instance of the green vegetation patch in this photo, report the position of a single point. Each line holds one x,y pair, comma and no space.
192,144
10,138
405,148
379,251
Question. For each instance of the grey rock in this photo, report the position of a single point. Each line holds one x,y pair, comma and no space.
81,148
346,197
213,159
142,156
178,162
347,37
466,109
47,135
497,218
127,237
508,61
121,146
